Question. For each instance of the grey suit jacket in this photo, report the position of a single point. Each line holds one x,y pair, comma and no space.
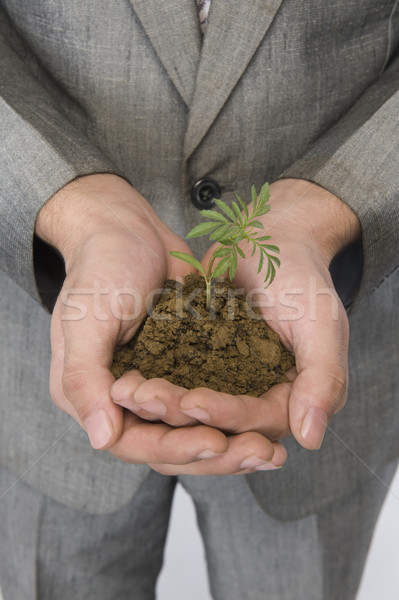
278,88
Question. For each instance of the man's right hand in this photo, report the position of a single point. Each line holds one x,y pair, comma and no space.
116,253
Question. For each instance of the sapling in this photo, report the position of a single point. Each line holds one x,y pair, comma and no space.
229,228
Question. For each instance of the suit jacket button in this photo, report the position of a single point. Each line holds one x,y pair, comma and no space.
204,191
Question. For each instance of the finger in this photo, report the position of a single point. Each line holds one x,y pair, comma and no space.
291,374
123,390
151,398
246,453
267,415
143,442
320,389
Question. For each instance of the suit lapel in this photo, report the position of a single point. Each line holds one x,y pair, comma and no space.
235,30
173,29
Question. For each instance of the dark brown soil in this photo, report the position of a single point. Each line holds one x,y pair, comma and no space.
228,348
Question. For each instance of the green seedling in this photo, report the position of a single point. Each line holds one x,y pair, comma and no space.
229,228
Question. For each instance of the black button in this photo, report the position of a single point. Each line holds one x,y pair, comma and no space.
204,191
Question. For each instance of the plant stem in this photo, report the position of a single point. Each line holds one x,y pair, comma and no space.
209,271
208,281
208,292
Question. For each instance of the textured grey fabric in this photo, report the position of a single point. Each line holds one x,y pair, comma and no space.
51,552
364,180
33,169
278,88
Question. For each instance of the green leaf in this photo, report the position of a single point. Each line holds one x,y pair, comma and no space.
188,259
221,231
270,275
273,275
201,229
262,210
240,252
261,207
226,209
238,213
221,267
233,266
257,224
275,259
254,196
269,272
264,238
213,214
243,206
264,194
239,236
253,248
271,248
260,265
220,252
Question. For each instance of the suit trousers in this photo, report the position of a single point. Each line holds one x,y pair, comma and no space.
49,551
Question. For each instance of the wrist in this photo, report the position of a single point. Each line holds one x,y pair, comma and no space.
89,206
320,217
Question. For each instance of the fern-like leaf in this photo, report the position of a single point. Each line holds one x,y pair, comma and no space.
221,232
226,209
243,206
213,215
202,229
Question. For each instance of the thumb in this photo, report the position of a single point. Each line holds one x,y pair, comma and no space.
320,389
80,376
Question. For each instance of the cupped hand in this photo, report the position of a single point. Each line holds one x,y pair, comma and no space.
116,253
310,225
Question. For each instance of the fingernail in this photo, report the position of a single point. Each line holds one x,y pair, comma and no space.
197,413
99,429
209,454
155,406
253,462
314,427
267,466
129,404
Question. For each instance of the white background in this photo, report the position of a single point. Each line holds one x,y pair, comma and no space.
184,573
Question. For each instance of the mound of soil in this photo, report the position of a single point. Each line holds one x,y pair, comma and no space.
228,348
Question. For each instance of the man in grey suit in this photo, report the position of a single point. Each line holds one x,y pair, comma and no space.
118,121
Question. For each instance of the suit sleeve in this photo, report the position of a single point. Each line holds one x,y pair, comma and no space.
358,161
43,147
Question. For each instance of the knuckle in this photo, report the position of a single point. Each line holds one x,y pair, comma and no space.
73,381
255,443
194,396
338,386
148,388
279,455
